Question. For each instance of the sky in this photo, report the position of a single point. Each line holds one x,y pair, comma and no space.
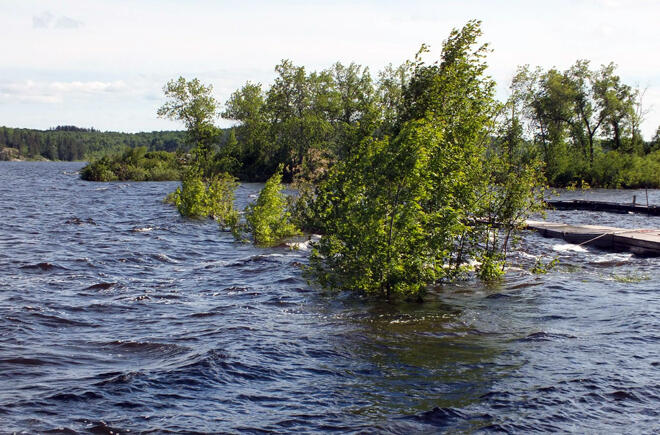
104,63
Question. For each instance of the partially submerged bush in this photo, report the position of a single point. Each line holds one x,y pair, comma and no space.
99,170
220,200
190,197
195,198
268,219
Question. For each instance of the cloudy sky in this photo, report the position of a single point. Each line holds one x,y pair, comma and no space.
103,63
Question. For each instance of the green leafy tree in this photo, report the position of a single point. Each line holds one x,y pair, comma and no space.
547,99
228,159
618,107
391,83
253,148
399,214
589,111
578,116
514,190
296,105
654,145
193,103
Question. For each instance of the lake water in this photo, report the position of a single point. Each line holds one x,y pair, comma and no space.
118,315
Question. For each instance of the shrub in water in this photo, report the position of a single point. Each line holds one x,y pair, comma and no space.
220,200
195,198
268,219
190,198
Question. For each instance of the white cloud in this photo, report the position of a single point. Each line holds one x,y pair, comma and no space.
42,20
46,20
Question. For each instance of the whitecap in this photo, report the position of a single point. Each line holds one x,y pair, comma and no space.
164,258
299,246
613,258
568,247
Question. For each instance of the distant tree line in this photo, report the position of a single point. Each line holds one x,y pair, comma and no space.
74,143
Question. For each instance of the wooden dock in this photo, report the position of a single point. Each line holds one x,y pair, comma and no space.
643,242
612,207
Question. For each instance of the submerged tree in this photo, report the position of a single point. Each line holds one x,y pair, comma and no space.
401,213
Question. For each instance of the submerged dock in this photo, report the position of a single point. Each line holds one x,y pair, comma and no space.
612,207
643,242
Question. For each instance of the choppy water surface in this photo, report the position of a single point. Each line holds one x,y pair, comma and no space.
117,315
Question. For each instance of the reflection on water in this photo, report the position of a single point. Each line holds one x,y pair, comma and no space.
119,315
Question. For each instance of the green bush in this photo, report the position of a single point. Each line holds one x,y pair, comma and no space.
619,170
220,200
190,197
133,164
133,173
267,219
195,198
100,170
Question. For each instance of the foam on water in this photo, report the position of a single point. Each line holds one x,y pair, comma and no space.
568,247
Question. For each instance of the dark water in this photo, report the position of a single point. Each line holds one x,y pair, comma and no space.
116,315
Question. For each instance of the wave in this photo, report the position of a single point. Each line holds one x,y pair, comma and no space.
44,266
546,336
101,286
612,259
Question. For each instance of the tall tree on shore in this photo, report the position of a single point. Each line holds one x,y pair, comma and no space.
618,106
193,103
255,152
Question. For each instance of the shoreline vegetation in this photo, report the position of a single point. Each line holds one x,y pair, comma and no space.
136,164
582,123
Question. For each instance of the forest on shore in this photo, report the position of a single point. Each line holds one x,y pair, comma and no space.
583,123
71,143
